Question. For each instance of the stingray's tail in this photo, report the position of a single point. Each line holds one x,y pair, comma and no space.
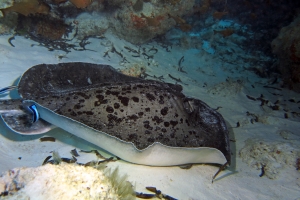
22,118
7,105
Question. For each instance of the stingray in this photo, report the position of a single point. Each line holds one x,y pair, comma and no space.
140,121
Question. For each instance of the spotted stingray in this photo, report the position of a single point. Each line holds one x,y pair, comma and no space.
141,121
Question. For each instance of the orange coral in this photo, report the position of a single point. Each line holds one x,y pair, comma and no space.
26,7
138,22
153,21
182,23
81,3
144,21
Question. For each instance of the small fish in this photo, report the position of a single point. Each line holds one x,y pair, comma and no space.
262,171
35,113
7,89
46,160
47,139
74,153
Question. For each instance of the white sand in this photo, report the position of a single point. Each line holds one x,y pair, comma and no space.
206,80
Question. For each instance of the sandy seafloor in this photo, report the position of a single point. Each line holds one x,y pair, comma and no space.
273,140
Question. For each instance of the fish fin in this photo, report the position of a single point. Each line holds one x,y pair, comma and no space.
21,122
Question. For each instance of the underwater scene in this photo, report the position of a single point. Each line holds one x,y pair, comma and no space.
150,99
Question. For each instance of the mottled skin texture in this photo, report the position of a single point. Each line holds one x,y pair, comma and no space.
131,109
143,113
45,79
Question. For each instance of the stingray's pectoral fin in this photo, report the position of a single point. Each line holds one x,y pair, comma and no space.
21,122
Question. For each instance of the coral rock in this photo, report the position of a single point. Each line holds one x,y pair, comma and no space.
64,181
139,27
135,70
44,27
26,7
5,4
287,47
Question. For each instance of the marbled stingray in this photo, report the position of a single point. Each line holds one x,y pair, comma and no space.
141,121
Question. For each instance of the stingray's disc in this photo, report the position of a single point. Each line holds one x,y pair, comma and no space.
148,116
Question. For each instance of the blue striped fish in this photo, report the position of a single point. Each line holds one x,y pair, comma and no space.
35,113
7,89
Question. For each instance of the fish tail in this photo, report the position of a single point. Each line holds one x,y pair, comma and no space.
7,105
